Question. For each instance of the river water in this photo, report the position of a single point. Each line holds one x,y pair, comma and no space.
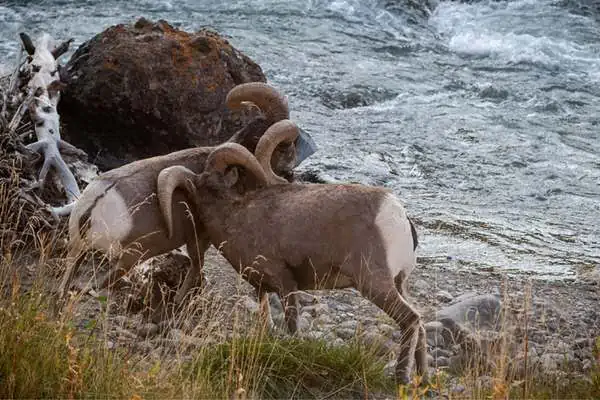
483,117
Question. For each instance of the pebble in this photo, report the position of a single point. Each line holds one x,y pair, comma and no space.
390,368
386,329
324,319
306,298
345,333
582,343
435,340
304,322
147,330
349,324
378,343
551,361
122,320
456,364
249,304
317,309
439,352
458,388
441,362
485,382
125,333
443,296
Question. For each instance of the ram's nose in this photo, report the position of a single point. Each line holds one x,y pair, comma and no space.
305,146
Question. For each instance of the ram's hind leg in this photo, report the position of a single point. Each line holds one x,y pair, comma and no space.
380,289
128,258
75,258
421,350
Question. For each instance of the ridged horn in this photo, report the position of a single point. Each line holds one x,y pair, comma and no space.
273,104
282,131
168,180
235,154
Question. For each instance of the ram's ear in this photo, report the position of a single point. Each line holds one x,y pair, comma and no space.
231,176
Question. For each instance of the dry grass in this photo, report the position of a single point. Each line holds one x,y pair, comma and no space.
50,354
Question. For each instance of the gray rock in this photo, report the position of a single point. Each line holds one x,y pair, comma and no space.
122,320
464,297
345,333
551,361
561,347
456,364
485,382
324,320
349,324
435,340
533,363
439,352
178,337
390,369
279,320
443,296
306,299
249,304
441,362
433,326
477,312
275,304
420,285
378,343
314,335
430,361
386,330
125,333
304,322
147,330
458,388
317,309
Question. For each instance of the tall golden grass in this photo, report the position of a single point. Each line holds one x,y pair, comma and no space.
50,353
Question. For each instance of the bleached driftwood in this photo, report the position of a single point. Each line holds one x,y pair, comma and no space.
43,95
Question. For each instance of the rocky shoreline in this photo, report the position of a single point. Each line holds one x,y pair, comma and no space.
559,334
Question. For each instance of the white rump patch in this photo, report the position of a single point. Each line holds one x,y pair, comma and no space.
110,222
394,229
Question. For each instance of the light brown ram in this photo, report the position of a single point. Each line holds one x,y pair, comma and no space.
285,238
118,212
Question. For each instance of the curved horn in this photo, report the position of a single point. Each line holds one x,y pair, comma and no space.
232,153
282,131
273,104
168,180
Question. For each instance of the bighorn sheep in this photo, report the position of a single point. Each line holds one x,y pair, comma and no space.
118,212
285,238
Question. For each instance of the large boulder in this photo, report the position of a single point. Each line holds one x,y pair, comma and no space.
145,89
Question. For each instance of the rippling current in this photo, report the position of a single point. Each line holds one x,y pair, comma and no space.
482,116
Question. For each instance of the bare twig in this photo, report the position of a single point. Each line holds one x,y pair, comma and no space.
27,43
16,120
62,48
